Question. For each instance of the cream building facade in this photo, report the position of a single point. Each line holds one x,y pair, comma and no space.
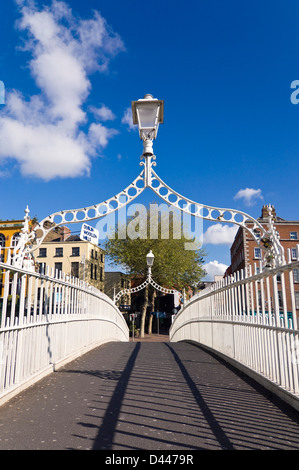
74,257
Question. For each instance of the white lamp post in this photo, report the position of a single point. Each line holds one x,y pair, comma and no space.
149,280
150,261
148,113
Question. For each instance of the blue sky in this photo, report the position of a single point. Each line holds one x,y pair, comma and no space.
223,68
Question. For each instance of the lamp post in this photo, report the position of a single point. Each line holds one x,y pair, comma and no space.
149,280
148,113
150,261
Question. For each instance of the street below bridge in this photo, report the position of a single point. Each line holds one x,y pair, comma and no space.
147,394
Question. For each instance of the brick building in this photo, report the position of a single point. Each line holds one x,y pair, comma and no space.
244,250
246,253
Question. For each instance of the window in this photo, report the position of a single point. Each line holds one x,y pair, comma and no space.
257,234
294,253
15,239
75,251
257,253
2,245
42,252
96,272
2,240
296,275
42,268
58,267
75,269
259,299
294,235
59,252
280,301
297,300
91,271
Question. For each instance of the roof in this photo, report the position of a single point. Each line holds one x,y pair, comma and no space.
73,238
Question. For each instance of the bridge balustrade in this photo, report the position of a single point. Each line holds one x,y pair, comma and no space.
251,321
47,320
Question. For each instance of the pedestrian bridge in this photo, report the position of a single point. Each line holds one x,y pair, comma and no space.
226,377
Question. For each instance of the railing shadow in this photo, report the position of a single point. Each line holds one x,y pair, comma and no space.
167,397
104,438
217,430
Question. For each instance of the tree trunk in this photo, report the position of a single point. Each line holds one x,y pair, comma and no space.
143,312
152,305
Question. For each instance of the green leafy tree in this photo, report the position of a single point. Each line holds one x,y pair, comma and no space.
174,267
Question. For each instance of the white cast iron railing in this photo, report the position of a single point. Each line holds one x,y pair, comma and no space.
47,320
251,319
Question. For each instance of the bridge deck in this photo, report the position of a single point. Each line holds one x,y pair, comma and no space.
148,395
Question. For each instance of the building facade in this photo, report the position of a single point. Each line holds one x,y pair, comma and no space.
247,255
9,234
71,255
116,281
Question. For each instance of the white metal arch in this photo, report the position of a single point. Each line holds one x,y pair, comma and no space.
149,281
86,214
268,240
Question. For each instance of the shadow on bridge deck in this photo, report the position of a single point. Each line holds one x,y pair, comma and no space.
148,395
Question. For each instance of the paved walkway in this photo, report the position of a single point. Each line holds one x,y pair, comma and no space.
147,395
153,338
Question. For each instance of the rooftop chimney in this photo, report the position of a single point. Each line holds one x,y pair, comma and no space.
265,212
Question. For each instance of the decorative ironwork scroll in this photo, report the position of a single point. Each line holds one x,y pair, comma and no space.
149,281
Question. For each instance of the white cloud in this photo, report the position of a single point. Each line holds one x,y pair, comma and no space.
128,119
219,234
43,133
249,195
43,150
214,268
103,113
98,136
